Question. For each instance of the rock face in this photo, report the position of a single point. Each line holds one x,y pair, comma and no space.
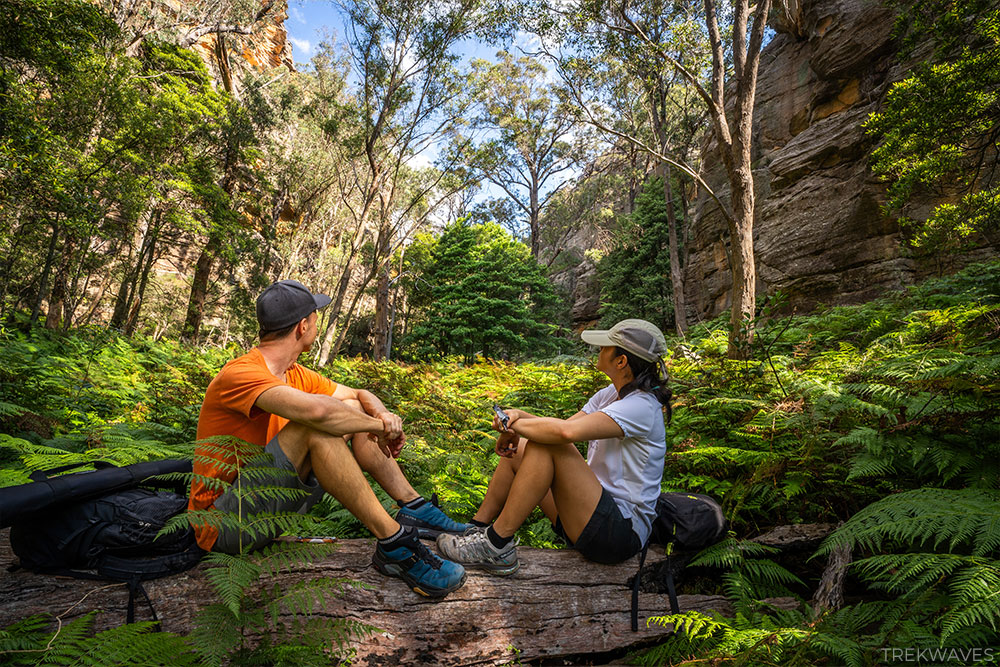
819,234
265,48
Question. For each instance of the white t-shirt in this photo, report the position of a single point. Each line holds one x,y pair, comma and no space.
630,468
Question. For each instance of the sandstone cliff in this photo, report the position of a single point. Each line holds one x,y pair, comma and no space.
820,235
265,48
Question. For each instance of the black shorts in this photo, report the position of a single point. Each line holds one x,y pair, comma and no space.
608,537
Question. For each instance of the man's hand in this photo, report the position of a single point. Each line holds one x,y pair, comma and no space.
507,443
391,441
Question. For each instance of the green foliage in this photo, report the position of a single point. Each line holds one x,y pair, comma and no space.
882,415
529,148
77,391
250,606
840,407
29,642
934,600
487,296
634,274
940,121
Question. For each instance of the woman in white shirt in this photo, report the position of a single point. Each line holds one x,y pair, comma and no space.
603,505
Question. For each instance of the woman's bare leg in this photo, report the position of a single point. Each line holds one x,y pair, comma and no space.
562,474
499,489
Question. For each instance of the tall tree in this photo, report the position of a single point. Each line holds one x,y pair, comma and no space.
631,273
403,55
487,296
529,148
728,96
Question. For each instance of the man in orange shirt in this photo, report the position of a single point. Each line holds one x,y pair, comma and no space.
324,434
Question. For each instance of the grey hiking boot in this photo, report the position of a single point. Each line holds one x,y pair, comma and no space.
474,549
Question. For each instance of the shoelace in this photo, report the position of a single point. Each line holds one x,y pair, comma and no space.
427,555
480,546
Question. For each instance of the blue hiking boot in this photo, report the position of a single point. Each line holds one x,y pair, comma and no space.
424,571
430,521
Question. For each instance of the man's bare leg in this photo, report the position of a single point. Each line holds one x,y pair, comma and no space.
338,472
383,469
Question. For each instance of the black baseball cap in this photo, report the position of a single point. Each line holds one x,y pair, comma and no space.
286,302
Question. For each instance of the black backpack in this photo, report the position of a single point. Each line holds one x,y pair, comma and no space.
100,525
685,523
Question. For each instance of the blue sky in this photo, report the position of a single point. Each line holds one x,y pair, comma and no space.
311,21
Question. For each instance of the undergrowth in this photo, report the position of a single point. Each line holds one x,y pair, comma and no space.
882,414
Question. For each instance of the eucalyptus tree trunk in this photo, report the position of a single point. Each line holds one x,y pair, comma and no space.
58,295
676,269
140,294
381,349
735,146
199,291
326,345
534,210
43,282
346,322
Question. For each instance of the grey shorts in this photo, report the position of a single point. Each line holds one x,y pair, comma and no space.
229,539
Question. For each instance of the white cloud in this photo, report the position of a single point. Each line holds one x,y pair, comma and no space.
297,14
419,161
304,46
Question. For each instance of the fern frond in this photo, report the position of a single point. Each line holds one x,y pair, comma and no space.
284,556
68,641
730,553
304,597
976,594
902,572
925,516
216,633
21,642
137,643
11,410
271,524
693,624
230,576
843,649
769,572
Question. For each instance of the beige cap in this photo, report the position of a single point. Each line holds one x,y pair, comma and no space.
641,338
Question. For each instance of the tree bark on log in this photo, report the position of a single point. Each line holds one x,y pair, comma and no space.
556,605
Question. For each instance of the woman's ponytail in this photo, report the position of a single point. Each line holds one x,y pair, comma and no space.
646,376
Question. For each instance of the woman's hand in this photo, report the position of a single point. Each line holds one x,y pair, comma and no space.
507,443
513,415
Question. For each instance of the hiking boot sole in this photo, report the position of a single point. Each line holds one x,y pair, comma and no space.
396,570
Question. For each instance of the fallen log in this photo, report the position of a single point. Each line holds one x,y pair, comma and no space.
556,605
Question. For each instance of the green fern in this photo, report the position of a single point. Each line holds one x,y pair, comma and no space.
29,642
934,517
223,631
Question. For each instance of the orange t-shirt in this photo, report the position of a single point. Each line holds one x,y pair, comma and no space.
229,409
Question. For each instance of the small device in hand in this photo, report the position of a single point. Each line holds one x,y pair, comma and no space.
502,416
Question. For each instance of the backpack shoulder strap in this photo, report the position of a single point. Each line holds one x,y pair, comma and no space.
635,588
674,606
